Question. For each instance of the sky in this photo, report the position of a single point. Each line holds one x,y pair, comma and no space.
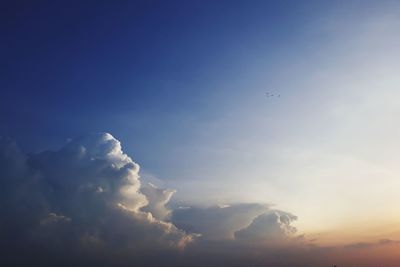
91,90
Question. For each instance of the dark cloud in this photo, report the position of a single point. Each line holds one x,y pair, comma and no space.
365,245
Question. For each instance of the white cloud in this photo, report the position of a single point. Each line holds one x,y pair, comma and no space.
268,227
158,198
87,190
217,222
87,199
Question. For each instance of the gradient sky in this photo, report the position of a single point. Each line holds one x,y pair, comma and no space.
182,85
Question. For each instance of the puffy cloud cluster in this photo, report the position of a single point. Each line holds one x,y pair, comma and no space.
244,222
159,198
273,226
217,222
86,201
93,165
85,196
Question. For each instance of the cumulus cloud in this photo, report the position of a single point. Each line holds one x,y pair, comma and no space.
217,222
272,226
86,201
240,222
88,192
93,164
158,198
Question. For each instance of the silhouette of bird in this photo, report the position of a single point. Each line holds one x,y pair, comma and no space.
269,95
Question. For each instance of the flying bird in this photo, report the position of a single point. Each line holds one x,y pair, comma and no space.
268,95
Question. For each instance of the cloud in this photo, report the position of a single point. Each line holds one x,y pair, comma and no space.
217,222
365,245
93,164
85,205
85,195
54,218
158,198
267,227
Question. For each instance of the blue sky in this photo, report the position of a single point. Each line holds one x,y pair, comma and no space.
148,72
309,177
182,84
73,68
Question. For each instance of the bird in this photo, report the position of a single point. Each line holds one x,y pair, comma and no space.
268,95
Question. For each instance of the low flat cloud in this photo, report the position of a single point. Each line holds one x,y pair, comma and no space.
365,245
